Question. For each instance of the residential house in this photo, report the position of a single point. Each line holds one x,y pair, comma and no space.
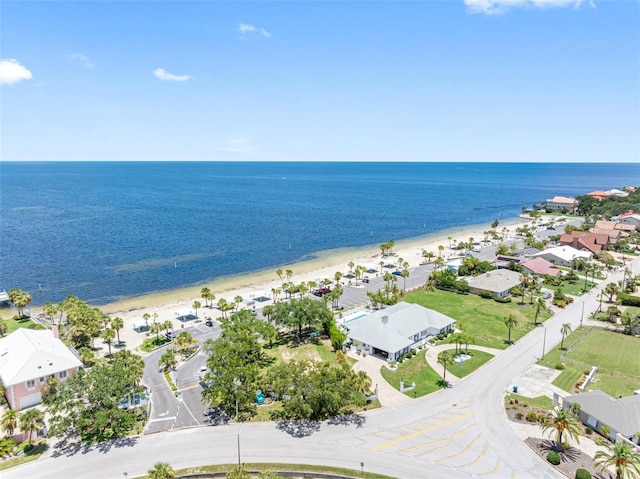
585,241
599,195
561,203
539,266
628,218
623,229
499,282
393,331
597,409
617,192
562,255
27,359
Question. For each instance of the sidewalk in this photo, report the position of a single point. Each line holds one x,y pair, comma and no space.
387,394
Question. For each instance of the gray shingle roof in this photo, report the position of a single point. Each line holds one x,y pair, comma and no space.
620,414
496,281
404,321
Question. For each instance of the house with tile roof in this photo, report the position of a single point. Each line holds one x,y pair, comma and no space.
561,203
563,255
539,266
585,241
623,230
393,331
598,409
599,195
628,218
499,282
28,358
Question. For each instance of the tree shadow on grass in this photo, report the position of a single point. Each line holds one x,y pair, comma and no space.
443,384
299,427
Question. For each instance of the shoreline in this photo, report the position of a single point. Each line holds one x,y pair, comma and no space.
324,263
169,304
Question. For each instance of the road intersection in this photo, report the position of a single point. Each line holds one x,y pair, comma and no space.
461,432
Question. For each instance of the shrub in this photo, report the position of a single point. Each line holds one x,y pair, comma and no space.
413,352
519,416
502,300
532,417
588,430
486,294
559,365
553,457
628,300
583,474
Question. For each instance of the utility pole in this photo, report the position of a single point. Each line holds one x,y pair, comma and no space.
544,340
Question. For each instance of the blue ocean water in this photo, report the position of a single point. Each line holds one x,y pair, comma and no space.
102,231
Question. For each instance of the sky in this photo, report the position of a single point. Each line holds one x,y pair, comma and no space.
448,80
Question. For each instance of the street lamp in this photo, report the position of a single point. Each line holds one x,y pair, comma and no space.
362,468
544,340
236,383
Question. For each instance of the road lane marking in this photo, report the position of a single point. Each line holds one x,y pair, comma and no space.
478,459
464,451
437,441
494,470
190,387
422,431
158,419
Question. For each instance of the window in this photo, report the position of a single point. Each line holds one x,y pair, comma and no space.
62,375
41,380
31,384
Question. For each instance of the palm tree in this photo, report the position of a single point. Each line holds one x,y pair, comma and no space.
196,305
161,470
289,274
4,327
444,359
405,275
237,301
117,324
204,294
168,360
9,421
156,328
362,382
622,457
560,421
449,238
279,273
440,250
611,289
108,334
510,322
337,276
565,330
541,305
32,420
381,266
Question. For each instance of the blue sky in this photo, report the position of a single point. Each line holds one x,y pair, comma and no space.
453,80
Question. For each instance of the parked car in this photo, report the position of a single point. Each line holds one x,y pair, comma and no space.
209,322
476,250
546,295
365,280
553,228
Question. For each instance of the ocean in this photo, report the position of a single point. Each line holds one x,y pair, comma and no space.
107,231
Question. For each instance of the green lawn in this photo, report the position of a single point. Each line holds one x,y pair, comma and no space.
574,289
311,351
13,324
416,369
541,402
617,357
478,358
32,455
482,318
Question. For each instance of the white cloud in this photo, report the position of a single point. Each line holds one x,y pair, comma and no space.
245,28
162,74
493,7
12,72
238,145
80,58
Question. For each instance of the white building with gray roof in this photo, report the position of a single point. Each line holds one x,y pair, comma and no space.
498,282
393,331
597,409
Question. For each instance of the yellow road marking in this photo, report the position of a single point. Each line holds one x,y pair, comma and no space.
437,441
432,450
464,451
421,431
190,387
494,470
478,459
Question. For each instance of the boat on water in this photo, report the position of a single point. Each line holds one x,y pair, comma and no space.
4,297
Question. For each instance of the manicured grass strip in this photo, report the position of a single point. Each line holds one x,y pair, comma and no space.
32,455
574,289
478,358
416,369
482,318
13,324
541,402
276,466
617,357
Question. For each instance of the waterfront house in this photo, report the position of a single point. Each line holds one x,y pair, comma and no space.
393,331
27,359
499,282
598,409
563,255
561,203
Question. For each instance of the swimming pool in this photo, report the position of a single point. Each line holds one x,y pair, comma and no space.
355,319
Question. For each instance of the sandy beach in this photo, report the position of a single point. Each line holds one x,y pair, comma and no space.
168,305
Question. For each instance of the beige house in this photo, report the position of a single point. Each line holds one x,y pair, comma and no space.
499,282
